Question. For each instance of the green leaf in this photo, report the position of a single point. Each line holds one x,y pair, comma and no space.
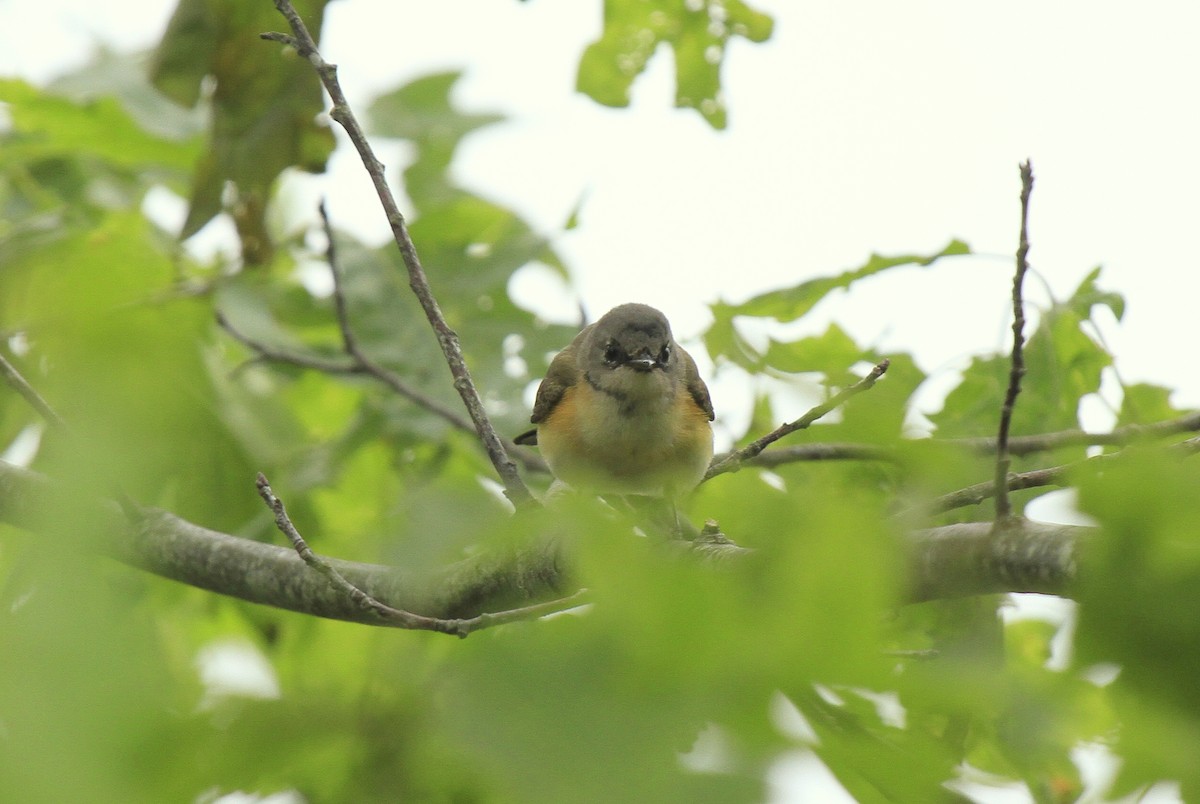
1088,295
423,113
264,108
47,125
125,365
698,32
1139,609
1063,363
790,304
1144,403
831,353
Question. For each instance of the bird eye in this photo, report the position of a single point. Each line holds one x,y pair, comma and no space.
665,354
612,355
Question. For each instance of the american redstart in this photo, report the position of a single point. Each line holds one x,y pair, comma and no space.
623,410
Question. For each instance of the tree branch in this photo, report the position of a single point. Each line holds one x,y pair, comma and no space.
973,495
479,592
1017,369
976,558
1017,445
399,618
780,456
1120,436
1050,476
360,363
734,460
385,614
520,582
505,467
30,394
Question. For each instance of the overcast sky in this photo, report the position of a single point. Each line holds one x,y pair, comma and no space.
876,126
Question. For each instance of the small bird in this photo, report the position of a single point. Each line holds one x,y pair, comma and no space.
623,410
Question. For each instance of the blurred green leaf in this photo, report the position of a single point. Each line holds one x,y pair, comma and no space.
46,126
698,33
1063,363
1088,295
1144,403
264,108
1139,611
790,304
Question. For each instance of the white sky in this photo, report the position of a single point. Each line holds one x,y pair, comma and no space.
860,127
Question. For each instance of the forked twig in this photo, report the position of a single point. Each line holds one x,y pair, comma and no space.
734,460
359,361
398,618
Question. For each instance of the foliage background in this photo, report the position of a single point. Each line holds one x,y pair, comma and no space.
114,323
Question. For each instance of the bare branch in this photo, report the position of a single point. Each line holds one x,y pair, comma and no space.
386,614
734,460
389,378
780,456
360,363
1120,436
480,592
22,387
528,581
1017,369
976,558
1037,478
973,495
277,355
505,467
1017,445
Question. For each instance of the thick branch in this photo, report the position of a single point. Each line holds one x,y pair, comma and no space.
174,548
505,467
950,561
974,558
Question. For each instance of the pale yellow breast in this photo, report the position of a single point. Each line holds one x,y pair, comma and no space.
657,449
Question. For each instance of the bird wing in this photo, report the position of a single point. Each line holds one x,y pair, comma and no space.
696,386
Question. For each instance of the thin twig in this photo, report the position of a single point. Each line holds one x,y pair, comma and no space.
505,467
973,495
22,387
781,456
1017,368
349,341
398,618
1037,478
734,460
267,352
1017,445
358,364
361,362
1120,436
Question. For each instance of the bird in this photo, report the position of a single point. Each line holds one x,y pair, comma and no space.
623,410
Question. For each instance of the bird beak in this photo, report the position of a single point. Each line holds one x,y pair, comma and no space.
643,362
